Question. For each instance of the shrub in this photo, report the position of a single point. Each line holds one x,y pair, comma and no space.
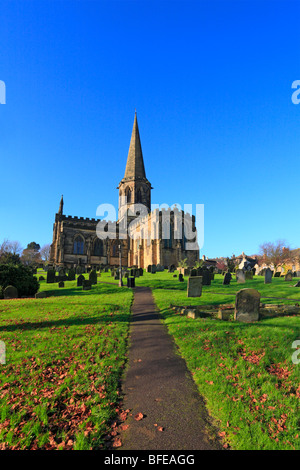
20,277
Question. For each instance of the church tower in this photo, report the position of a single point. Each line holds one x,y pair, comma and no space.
134,185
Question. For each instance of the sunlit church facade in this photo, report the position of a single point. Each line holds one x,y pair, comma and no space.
76,241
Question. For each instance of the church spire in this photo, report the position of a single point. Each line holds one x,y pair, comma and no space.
135,163
61,205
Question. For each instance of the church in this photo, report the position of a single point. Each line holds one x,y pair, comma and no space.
142,237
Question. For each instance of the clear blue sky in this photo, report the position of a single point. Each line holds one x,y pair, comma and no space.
211,82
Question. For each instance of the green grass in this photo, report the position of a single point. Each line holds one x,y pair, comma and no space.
66,354
64,358
243,371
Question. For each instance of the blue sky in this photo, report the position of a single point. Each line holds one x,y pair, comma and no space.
211,82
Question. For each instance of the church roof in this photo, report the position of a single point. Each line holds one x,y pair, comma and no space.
135,163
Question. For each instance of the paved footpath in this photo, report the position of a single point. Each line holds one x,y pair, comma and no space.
158,385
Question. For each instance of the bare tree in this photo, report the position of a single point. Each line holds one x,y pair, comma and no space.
15,247
10,252
276,253
45,252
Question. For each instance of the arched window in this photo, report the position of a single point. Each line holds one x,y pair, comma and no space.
138,196
115,249
128,193
78,245
98,247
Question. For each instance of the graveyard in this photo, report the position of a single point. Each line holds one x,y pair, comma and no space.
68,353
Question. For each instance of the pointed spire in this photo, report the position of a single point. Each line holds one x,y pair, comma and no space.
61,205
135,163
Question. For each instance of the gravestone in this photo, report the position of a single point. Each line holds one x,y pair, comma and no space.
206,279
268,276
131,282
288,276
86,285
193,272
80,280
50,276
71,275
61,284
153,269
194,287
227,279
41,278
277,274
61,273
174,275
297,284
180,278
10,292
141,272
240,276
149,268
93,277
297,273
248,275
79,269
247,303
41,295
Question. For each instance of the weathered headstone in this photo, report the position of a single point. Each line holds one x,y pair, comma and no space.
268,276
248,275
80,280
131,282
141,271
61,284
93,277
86,285
227,279
71,275
194,287
277,274
149,268
41,278
206,279
50,276
10,292
288,276
247,303
41,295
180,278
153,268
240,276
193,272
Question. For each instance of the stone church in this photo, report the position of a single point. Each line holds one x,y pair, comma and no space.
76,240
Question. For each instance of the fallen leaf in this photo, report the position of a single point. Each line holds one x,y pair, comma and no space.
117,443
139,416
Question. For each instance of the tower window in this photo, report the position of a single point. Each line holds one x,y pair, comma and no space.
138,196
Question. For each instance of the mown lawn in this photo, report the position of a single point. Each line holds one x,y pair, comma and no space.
64,358
244,371
66,353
